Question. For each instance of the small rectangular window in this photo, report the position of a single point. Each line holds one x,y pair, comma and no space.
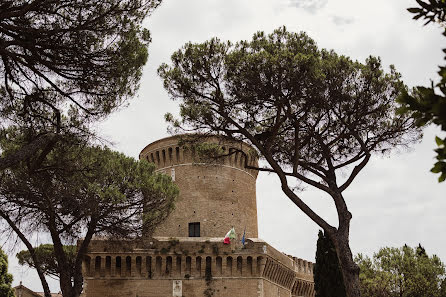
194,229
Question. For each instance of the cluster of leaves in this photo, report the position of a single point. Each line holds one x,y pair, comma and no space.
5,278
432,11
214,149
47,258
328,280
64,64
87,51
312,110
428,107
77,185
402,272
425,104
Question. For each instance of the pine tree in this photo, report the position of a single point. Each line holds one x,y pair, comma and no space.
5,277
328,280
304,110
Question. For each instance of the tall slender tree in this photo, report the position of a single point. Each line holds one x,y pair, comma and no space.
328,280
63,65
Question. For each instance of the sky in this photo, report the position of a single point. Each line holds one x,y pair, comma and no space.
394,201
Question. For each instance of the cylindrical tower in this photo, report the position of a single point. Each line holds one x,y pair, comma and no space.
214,195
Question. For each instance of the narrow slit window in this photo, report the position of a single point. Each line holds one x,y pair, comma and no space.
194,229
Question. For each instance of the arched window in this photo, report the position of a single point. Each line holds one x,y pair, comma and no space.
97,266
108,266
218,263
168,266
239,265
138,265
118,266
198,266
149,266
188,265
229,266
128,266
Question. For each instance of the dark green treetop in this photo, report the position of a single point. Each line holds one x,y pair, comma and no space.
47,258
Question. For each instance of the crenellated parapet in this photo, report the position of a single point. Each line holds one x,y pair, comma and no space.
205,259
168,153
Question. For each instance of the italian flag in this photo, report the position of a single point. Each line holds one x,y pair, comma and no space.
230,235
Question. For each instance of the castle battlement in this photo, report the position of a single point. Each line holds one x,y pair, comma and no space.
167,153
191,261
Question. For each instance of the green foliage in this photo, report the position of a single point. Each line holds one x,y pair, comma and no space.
432,11
5,278
207,150
425,104
296,101
85,183
78,191
328,280
401,272
313,115
47,258
89,52
64,64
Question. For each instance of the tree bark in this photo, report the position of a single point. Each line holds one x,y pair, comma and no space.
70,278
349,269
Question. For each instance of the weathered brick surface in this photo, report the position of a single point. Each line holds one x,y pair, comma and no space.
218,195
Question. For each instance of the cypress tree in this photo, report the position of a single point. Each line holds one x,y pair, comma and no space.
5,278
328,281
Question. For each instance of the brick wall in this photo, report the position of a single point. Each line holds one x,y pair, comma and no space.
217,194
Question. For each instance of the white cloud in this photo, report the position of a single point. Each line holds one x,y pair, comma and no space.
341,21
311,6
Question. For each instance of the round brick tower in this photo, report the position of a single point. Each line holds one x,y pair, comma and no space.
214,195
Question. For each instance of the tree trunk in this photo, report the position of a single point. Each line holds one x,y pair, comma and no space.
45,286
349,269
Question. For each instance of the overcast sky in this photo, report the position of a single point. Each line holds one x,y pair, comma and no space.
395,200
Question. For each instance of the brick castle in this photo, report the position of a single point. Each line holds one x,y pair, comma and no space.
185,256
